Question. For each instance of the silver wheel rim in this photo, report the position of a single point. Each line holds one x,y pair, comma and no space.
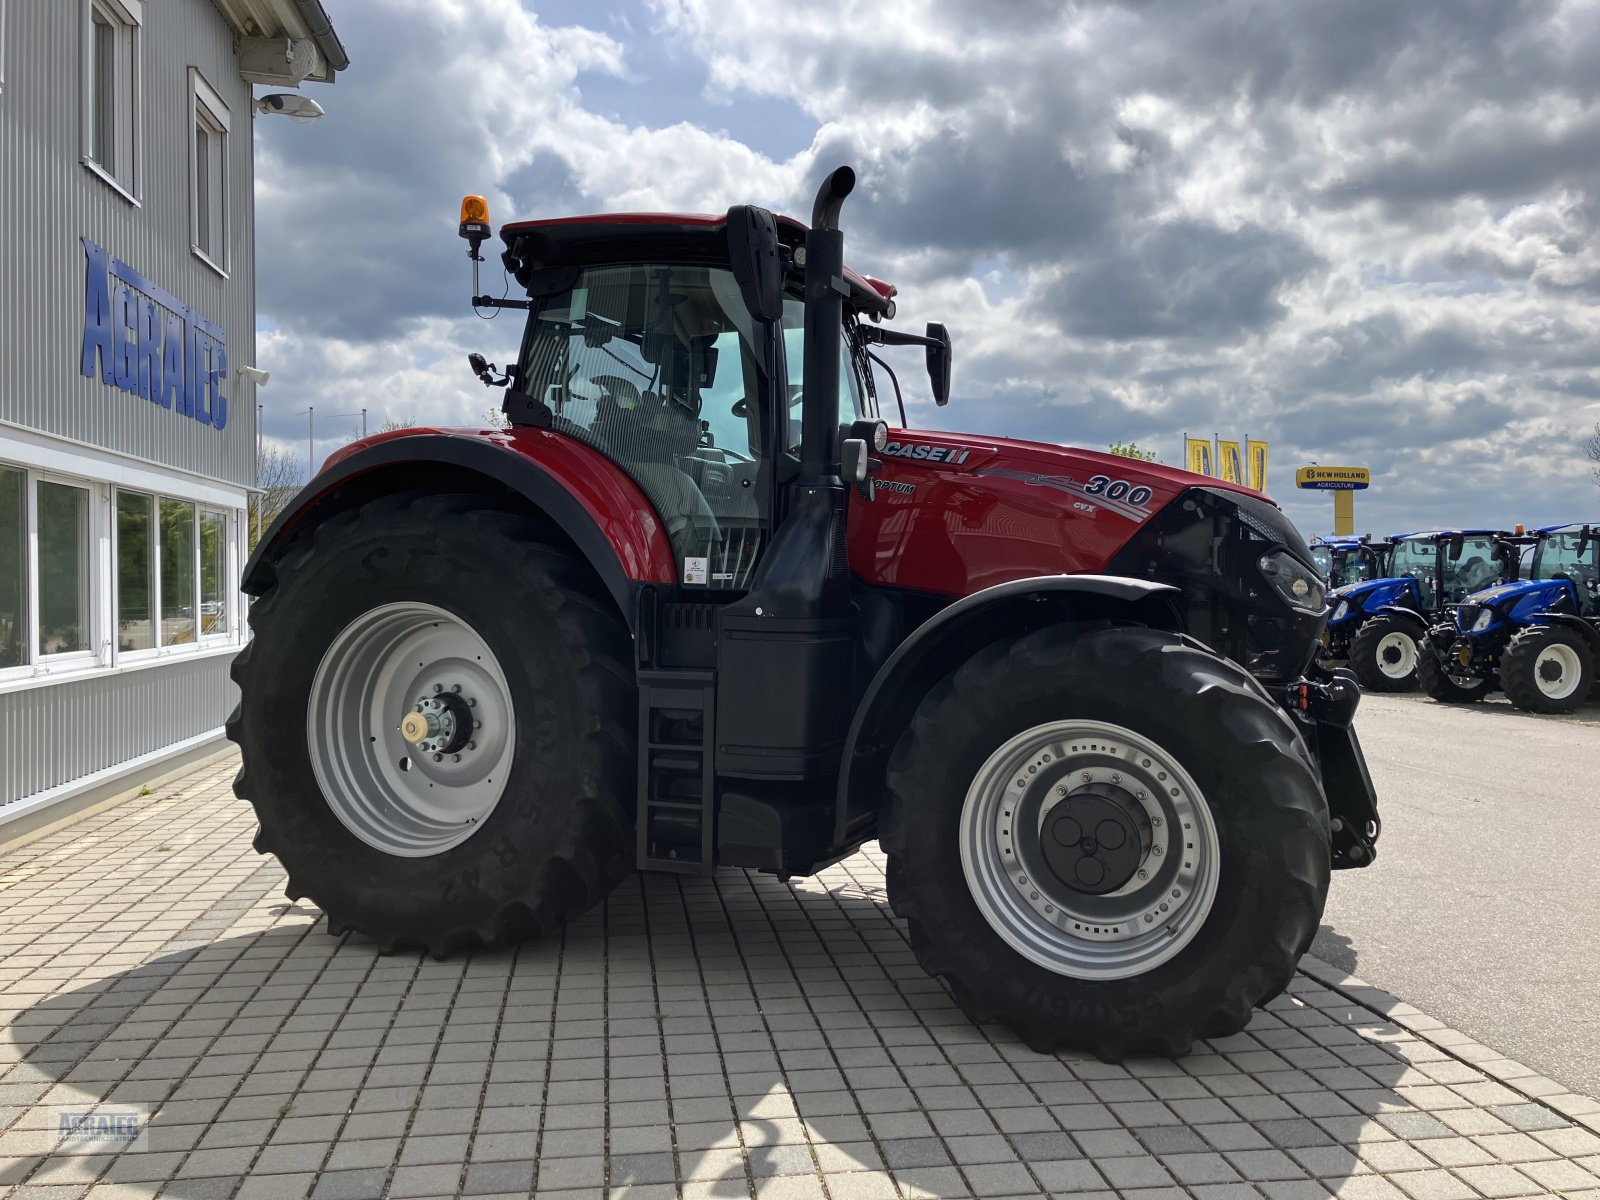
1397,655
1128,931
1561,662
419,790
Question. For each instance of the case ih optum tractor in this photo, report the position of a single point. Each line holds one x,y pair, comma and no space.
699,605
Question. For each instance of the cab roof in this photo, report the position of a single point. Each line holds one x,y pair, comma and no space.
630,236
1445,533
1574,527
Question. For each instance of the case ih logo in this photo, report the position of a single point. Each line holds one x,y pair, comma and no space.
150,343
919,450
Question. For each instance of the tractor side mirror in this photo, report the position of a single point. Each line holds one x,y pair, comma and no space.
754,257
1584,538
939,363
1454,550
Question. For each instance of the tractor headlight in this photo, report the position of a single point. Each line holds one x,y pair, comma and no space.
1293,580
1485,619
1341,612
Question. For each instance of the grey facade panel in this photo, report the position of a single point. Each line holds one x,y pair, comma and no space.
60,733
52,201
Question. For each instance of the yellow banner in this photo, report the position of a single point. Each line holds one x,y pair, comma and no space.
1256,456
1230,462
1197,452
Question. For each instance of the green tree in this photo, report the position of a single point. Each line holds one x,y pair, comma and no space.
1132,449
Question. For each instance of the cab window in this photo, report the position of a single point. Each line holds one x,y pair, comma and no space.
657,367
854,403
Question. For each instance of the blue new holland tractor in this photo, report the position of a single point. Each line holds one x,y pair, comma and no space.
1350,559
1378,625
1536,639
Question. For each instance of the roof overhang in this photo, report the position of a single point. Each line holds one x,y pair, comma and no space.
284,43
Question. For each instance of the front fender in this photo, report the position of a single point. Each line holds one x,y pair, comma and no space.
943,642
1572,621
603,512
1411,615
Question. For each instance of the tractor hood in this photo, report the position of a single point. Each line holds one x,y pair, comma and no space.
1547,591
982,455
1354,599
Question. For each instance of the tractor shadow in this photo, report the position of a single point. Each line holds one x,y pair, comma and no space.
788,1023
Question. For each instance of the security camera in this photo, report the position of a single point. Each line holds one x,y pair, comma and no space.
255,375
297,108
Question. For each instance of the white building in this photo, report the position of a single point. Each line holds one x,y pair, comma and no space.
127,413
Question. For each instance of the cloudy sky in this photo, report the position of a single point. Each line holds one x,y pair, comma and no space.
1362,230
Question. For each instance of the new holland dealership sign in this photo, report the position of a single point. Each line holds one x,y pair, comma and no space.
141,338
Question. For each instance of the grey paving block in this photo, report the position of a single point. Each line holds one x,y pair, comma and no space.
1293,1132
1171,1139
901,1153
1045,1147
633,1169
350,1185
494,1178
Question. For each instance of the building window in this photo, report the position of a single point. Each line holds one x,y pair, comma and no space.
136,552
175,565
13,566
63,529
213,572
111,92
208,174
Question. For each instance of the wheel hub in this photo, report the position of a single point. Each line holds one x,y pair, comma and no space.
1095,839
1063,800
410,729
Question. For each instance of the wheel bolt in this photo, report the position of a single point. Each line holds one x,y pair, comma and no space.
1062,790
456,687
437,688
477,724
438,758
1155,850
472,745
1143,874
472,702
455,758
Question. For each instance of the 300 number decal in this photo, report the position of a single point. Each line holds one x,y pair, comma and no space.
1117,489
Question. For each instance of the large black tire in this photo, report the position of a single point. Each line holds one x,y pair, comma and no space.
560,837
1244,755
1446,688
1536,679
1375,663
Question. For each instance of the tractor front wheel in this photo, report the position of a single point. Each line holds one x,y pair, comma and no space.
1108,837
436,721
1384,654
1547,669
1436,680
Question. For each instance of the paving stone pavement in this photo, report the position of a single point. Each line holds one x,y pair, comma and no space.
727,1037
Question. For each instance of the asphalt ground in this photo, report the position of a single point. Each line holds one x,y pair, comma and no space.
1483,907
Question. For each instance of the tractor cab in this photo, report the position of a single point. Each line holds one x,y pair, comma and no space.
1344,560
1537,639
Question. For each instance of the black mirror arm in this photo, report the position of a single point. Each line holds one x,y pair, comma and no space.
879,336
894,379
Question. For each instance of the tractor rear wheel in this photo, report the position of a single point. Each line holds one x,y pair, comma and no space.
1445,687
436,721
1547,669
1108,837
1384,654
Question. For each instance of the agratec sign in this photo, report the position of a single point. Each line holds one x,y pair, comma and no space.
150,343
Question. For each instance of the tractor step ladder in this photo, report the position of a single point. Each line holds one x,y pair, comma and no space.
676,815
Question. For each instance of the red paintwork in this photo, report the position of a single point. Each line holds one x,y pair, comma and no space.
623,512
862,283
966,528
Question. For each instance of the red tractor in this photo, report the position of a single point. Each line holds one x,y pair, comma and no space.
700,606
